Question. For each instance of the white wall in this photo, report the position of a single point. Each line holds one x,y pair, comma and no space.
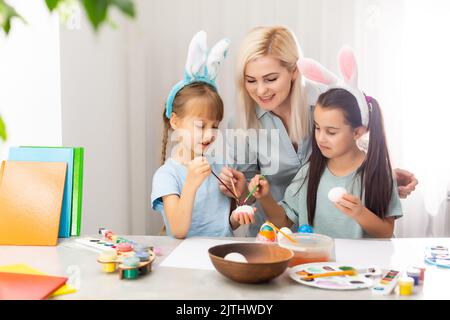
95,116
30,101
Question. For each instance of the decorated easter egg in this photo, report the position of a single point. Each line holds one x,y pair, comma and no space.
285,231
305,228
266,234
236,257
335,194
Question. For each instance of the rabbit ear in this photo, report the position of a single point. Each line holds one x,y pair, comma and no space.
313,70
347,64
197,54
216,56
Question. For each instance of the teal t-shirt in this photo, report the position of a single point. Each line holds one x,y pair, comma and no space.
328,219
211,211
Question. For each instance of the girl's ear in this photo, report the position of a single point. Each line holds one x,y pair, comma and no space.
313,70
348,67
174,120
359,132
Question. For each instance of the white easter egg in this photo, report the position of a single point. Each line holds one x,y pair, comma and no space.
236,257
245,209
336,193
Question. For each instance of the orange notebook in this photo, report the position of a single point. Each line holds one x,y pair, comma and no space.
31,196
20,286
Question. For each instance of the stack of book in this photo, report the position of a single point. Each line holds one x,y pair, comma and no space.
41,195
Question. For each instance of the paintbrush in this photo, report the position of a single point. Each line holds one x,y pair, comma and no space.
253,191
284,234
234,189
223,183
350,272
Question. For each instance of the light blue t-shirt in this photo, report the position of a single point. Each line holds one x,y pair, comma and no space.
211,210
328,219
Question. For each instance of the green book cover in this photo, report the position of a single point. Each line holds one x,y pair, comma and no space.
77,189
77,202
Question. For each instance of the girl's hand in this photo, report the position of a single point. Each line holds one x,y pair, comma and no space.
198,170
263,188
243,217
350,205
406,182
238,179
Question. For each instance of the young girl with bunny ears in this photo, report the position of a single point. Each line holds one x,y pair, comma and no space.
342,115
184,191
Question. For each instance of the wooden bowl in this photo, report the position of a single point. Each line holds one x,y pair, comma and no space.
265,261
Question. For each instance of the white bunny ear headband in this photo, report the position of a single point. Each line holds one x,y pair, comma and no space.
313,70
201,65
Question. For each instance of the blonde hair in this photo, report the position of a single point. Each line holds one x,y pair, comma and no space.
202,90
280,43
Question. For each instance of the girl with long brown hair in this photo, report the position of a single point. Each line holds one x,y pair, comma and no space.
342,115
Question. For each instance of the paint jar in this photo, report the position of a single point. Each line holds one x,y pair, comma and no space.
406,286
142,255
310,247
422,274
415,274
140,247
107,260
124,247
131,262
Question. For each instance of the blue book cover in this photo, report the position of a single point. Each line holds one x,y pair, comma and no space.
52,155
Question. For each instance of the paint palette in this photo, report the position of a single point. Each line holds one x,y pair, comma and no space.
438,256
95,244
361,280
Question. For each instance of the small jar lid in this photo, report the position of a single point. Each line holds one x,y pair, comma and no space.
406,280
413,272
131,262
124,247
107,256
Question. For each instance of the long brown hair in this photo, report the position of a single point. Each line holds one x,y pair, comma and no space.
195,90
375,172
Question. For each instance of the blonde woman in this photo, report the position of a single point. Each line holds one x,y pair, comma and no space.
274,96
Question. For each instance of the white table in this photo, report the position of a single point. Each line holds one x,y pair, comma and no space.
182,283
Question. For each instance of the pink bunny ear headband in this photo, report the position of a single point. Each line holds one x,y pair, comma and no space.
314,71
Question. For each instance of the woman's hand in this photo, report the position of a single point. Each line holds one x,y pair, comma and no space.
243,217
263,187
406,182
198,170
226,175
350,205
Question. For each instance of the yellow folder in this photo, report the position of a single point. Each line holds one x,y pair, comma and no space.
25,269
31,196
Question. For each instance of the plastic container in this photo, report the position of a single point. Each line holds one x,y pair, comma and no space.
310,247
406,286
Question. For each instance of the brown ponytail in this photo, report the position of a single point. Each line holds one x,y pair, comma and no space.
376,170
165,137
